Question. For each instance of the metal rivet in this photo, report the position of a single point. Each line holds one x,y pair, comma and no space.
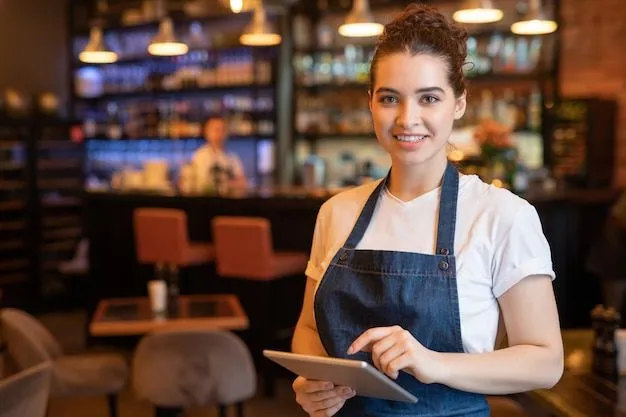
444,251
443,265
343,255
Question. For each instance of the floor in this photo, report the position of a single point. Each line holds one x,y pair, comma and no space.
69,329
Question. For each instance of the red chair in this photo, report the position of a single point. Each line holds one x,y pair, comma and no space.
244,250
161,239
269,283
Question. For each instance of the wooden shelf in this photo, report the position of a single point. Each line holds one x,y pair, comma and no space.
12,226
6,279
61,221
134,95
54,164
10,144
74,183
13,244
178,17
67,233
11,166
61,246
12,205
61,201
58,144
13,264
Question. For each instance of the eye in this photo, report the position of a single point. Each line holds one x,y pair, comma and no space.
388,100
429,99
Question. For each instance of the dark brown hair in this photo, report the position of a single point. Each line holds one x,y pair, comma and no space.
422,29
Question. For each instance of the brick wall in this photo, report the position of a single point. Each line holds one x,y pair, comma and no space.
593,59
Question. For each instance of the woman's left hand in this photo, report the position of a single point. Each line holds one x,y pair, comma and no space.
394,349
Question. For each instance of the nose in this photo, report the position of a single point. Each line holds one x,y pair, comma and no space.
409,114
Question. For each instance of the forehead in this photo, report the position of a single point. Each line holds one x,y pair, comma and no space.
403,71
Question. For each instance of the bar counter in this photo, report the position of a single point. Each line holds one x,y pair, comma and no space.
570,219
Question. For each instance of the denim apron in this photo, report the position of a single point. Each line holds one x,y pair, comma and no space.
362,289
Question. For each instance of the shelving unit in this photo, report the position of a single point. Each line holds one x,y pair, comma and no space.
157,105
58,164
331,76
15,224
40,174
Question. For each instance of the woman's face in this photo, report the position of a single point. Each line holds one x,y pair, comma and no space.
413,107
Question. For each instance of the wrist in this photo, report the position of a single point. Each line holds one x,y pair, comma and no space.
441,370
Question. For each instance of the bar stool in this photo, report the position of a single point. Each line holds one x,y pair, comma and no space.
260,276
161,239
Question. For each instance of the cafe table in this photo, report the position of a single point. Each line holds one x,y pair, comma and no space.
134,317
579,393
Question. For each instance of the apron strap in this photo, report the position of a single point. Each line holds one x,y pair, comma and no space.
447,213
366,216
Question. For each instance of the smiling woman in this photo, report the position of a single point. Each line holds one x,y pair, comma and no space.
410,273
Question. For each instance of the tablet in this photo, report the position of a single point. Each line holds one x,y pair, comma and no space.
362,377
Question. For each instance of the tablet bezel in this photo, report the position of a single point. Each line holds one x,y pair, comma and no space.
358,375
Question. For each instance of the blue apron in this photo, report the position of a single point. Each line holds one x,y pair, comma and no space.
362,289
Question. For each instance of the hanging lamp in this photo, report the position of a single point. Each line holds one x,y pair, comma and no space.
534,22
259,32
360,23
164,42
236,6
96,51
477,11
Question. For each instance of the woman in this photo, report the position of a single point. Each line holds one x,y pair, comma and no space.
211,161
410,272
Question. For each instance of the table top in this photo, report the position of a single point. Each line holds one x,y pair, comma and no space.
580,393
133,316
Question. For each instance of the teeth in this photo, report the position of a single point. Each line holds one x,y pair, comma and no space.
410,138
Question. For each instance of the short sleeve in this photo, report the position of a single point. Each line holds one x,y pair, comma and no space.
523,251
315,268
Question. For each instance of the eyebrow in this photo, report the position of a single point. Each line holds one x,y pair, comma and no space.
418,91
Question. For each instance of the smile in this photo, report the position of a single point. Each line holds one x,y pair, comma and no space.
410,138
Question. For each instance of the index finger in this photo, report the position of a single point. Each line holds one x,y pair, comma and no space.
368,337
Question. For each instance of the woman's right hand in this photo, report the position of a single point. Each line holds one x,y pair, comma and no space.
320,398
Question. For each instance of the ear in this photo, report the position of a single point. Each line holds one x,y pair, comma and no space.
460,105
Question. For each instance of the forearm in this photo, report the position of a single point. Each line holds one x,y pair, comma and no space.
511,370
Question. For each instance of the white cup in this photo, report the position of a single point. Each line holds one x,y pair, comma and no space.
157,291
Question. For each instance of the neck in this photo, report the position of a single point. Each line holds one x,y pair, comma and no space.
410,181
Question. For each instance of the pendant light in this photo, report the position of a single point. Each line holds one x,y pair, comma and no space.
259,32
236,6
360,23
96,52
534,21
164,42
477,11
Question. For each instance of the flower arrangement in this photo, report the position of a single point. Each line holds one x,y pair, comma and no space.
497,150
493,138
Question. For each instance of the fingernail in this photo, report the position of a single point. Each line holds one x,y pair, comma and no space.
350,349
346,390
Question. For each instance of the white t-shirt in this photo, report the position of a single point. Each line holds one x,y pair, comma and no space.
498,242
206,157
